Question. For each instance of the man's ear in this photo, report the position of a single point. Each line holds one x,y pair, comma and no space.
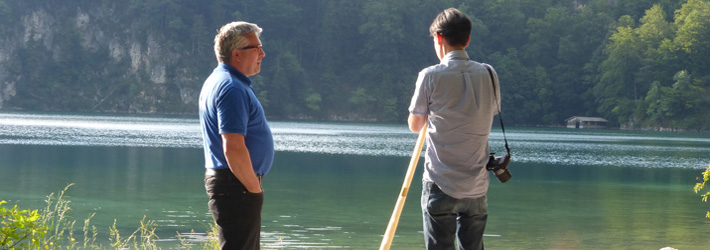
439,39
235,53
468,41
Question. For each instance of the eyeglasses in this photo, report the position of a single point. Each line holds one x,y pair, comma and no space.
251,47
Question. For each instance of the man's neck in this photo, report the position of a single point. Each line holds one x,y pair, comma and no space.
447,49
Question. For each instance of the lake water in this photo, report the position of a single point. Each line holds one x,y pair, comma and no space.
334,185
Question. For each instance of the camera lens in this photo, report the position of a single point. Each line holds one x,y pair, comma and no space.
503,175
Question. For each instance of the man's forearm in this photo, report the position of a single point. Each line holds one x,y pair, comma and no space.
416,122
237,155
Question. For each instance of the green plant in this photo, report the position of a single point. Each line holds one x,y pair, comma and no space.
211,240
90,234
701,185
19,229
53,228
185,243
142,238
54,218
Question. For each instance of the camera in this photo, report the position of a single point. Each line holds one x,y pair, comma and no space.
499,166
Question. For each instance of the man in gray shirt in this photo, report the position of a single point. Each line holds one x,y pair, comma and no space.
457,99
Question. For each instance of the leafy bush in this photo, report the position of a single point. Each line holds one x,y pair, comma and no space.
701,185
20,229
54,229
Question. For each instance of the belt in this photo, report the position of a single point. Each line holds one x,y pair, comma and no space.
220,171
225,171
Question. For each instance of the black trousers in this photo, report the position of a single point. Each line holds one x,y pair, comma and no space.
236,211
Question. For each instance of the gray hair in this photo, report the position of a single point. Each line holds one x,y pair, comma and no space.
232,36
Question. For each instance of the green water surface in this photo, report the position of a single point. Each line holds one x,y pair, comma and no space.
572,190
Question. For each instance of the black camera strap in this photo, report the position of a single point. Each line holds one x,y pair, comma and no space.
494,79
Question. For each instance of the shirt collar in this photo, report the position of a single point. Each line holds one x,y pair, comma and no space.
235,73
455,55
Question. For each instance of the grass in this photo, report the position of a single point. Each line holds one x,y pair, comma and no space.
53,229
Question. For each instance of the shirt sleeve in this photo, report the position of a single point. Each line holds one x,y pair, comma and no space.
233,111
420,99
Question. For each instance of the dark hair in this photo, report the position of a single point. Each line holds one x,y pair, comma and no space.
453,25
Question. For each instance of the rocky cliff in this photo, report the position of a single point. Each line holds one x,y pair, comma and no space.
96,56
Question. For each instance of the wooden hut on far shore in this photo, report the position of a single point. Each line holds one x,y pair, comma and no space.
586,122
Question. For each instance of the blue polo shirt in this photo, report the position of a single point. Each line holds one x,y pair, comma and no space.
228,105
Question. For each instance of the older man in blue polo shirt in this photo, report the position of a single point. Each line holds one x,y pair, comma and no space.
238,145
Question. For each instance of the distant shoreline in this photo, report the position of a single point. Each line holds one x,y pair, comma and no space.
341,119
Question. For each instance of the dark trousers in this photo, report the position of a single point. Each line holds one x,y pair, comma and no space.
448,220
236,211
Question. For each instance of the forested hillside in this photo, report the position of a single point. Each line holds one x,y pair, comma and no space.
638,63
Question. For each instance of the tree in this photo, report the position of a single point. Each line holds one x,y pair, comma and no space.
362,101
391,38
643,59
336,59
693,35
652,33
617,88
287,87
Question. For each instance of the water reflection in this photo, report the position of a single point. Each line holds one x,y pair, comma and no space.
333,185
530,145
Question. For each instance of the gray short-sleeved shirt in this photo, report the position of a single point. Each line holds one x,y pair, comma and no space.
457,95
